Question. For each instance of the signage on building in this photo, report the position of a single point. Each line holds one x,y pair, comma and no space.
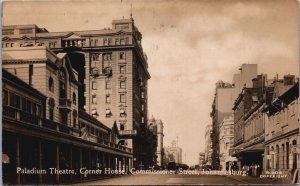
127,132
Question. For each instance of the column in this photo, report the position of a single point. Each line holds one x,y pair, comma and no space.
57,162
87,81
18,158
71,162
40,160
80,161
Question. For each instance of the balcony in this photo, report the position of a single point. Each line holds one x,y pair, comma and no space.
107,71
65,104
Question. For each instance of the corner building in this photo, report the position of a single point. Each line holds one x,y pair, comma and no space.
112,73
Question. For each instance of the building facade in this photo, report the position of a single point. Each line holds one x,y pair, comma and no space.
112,73
158,129
208,146
173,153
282,134
221,108
226,143
43,128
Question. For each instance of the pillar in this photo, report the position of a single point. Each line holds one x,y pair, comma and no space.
18,158
71,162
57,162
40,160
80,161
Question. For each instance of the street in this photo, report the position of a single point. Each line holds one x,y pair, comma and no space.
177,179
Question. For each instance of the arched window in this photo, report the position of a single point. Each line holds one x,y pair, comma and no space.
74,98
51,84
62,83
74,118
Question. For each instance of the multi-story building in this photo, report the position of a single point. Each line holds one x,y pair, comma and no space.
44,129
221,108
173,153
158,127
112,73
201,160
282,132
208,146
226,143
250,120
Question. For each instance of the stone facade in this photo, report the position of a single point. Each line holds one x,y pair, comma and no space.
112,72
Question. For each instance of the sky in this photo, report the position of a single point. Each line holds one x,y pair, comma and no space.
190,44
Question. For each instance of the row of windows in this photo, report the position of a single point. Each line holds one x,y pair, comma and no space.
62,88
95,131
108,98
108,112
107,56
22,103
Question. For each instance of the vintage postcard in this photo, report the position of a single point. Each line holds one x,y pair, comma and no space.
137,92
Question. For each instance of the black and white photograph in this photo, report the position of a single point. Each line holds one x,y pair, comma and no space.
140,92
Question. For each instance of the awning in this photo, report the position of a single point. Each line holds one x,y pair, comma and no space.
254,148
122,111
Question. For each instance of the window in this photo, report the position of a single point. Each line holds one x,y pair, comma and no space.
107,98
51,114
8,32
122,55
94,113
107,84
30,74
122,84
122,41
106,57
122,126
143,107
122,112
107,113
12,99
122,98
28,106
94,85
64,118
117,42
23,104
51,84
12,45
127,40
142,119
18,102
34,109
109,41
96,42
105,43
26,31
122,69
5,97
74,118
74,98
91,42
39,110
142,95
94,99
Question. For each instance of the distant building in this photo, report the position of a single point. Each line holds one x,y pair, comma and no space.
226,143
282,131
173,153
158,127
201,160
208,146
225,95
221,108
